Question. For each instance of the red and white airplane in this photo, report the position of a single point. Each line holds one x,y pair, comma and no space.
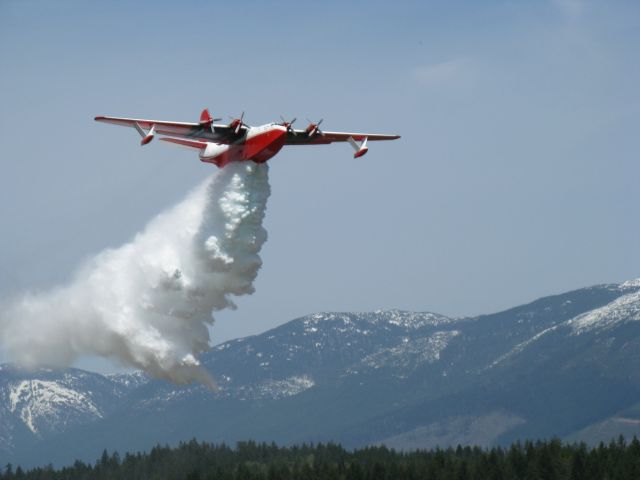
237,141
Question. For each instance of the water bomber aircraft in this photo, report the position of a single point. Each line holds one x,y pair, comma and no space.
236,141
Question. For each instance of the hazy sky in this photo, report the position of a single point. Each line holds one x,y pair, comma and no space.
516,176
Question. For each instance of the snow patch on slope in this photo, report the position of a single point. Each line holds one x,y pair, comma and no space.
129,381
399,318
45,403
623,309
410,353
276,389
412,320
521,346
631,283
271,389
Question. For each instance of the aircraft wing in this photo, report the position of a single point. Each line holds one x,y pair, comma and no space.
301,137
213,133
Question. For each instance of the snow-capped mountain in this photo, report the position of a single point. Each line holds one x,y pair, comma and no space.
566,365
34,406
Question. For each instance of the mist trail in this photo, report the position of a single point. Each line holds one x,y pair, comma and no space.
148,303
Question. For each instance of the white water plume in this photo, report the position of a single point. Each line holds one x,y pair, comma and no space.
148,303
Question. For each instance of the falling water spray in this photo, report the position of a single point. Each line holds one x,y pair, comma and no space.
148,303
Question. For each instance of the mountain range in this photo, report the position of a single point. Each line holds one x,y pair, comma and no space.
563,366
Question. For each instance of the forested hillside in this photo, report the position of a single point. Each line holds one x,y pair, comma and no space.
250,460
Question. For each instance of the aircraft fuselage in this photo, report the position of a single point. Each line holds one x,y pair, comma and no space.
258,144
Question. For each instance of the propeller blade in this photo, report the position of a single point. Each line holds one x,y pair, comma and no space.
289,125
239,123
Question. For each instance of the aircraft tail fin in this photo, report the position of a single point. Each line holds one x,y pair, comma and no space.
206,118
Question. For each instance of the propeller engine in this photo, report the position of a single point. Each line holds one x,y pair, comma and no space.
237,124
314,128
288,125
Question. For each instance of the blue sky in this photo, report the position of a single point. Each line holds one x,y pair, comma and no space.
516,175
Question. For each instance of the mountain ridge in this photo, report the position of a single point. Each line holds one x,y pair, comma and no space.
404,378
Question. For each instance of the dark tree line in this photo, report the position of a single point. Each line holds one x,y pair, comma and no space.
548,460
